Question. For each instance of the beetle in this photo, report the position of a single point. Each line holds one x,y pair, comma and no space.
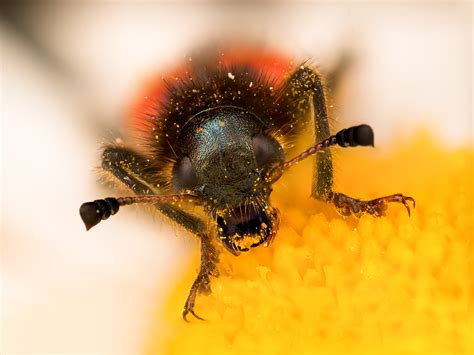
215,133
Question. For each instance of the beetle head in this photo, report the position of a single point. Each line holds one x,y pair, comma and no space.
224,161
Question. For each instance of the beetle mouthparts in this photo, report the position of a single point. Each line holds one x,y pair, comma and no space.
241,229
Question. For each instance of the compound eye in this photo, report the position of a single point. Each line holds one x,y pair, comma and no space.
184,175
267,150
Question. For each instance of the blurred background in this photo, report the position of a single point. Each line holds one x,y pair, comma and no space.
69,71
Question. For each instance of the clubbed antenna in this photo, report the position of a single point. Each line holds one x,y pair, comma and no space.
94,212
355,136
362,135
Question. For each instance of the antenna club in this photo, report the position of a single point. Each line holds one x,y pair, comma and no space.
361,135
94,212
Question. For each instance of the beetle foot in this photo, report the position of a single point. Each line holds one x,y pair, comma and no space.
191,310
347,205
201,285
191,300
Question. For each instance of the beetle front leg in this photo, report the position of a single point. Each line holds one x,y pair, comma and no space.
128,167
347,205
305,87
208,268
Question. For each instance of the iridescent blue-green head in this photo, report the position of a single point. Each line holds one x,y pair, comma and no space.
225,157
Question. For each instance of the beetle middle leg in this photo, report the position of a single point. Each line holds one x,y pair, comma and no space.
129,167
305,88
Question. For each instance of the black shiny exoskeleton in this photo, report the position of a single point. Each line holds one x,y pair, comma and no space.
215,136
